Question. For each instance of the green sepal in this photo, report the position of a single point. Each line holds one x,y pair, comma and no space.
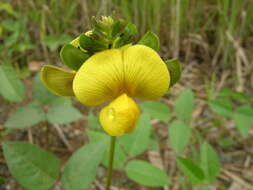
151,40
175,70
117,28
91,45
72,56
129,33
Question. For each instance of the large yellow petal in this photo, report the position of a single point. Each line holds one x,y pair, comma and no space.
120,116
136,70
58,80
100,78
146,75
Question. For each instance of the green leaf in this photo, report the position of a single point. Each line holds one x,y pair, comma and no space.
24,117
146,174
73,57
62,114
40,93
179,136
93,121
2,180
151,40
226,92
8,8
54,41
80,169
117,28
175,70
191,170
157,110
129,33
209,162
95,137
131,142
184,105
221,106
91,45
33,167
243,117
226,142
12,88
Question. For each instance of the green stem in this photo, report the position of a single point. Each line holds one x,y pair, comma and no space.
111,158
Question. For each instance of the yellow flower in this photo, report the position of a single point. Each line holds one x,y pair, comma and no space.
113,75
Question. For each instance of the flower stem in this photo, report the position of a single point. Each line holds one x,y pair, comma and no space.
111,158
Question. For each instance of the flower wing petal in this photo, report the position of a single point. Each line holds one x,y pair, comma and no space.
146,75
100,78
58,80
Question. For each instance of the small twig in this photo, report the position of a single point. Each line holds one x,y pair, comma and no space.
30,135
237,179
98,185
63,137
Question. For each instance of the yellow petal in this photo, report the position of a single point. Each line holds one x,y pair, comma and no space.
146,75
120,116
100,78
57,80
136,70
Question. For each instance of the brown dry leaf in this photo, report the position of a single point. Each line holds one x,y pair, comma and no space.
35,65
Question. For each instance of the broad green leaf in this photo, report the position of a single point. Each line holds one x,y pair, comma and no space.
54,41
184,105
95,137
62,114
175,70
243,117
221,106
73,57
209,162
40,93
151,40
80,169
93,121
156,110
146,174
154,145
33,167
191,170
61,101
226,92
12,88
138,141
179,136
57,80
24,117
